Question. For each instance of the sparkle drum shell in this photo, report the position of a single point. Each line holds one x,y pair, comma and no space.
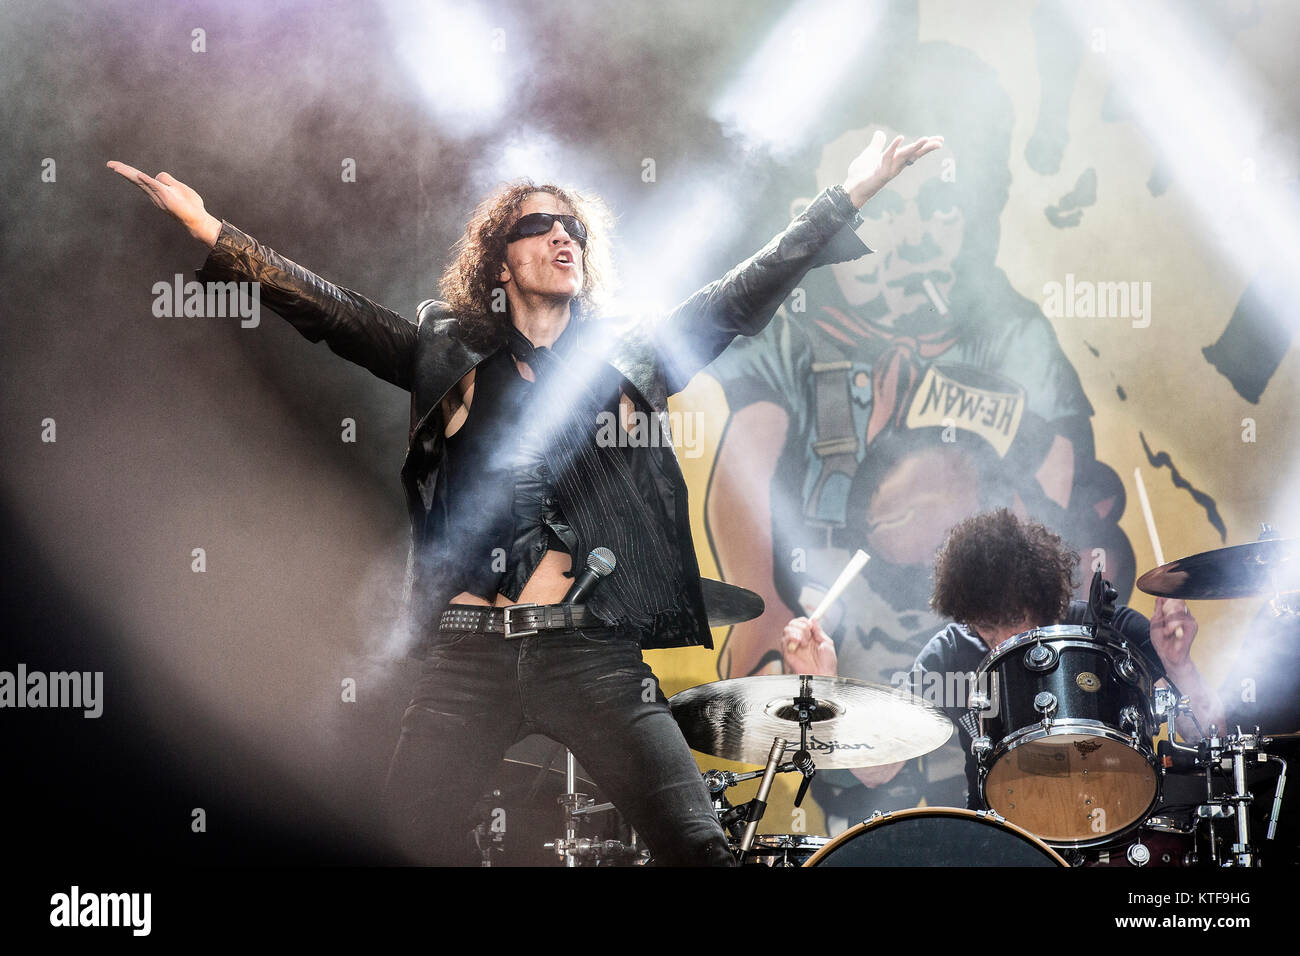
1068,722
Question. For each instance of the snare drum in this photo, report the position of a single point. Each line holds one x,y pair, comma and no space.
1066,726
936,836
783,849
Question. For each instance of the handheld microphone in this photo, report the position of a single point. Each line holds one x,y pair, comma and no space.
600,564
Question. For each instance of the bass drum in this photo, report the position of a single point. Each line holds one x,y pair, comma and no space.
936,836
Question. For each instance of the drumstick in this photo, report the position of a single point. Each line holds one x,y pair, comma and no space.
856,563
1151,528
1146,513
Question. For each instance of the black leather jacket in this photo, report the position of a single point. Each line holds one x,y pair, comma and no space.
656,360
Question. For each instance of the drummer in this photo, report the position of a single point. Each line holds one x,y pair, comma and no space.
997,576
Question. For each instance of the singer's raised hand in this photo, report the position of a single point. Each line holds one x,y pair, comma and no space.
176,199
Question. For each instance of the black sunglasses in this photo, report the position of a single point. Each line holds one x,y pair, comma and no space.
539,224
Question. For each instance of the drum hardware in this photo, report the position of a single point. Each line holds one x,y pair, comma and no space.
1166,704
1125,668
1183,708
585,851
1152,847
1206,812
1230,755
576,850
731,819
1130,718
734,819
741,822
1045,704
1040,658
1164,824
805,708
515,818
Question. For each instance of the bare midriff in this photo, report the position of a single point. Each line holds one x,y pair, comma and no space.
547,584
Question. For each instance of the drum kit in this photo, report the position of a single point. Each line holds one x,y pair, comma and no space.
1068,770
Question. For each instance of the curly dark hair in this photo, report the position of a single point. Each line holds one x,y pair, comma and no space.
996,570
470,280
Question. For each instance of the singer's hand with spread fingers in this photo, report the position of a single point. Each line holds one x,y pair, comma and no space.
1172,631
806,649
879,163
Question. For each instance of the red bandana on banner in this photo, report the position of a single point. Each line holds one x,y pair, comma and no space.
896,369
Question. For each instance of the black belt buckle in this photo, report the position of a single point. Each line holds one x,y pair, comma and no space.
510,633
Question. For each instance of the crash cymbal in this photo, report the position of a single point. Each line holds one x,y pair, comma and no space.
729,604
855,724
1258,569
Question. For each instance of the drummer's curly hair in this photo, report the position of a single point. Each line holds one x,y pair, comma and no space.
469,283
996,570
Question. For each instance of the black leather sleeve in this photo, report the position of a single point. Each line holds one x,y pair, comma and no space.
744,300
354,327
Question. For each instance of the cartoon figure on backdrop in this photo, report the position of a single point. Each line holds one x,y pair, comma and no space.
891,400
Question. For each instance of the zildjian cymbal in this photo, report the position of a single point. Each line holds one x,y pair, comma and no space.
853,723
1258,569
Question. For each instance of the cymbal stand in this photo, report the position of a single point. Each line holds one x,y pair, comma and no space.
1231,754
805,704
732,819
577,850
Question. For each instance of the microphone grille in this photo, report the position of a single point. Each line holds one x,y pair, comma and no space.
601,561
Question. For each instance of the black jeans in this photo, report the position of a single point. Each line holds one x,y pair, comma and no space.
590,690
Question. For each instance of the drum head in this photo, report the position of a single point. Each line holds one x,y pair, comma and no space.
935,836
1055,634
1072,789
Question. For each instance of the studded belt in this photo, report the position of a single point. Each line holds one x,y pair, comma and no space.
518,620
